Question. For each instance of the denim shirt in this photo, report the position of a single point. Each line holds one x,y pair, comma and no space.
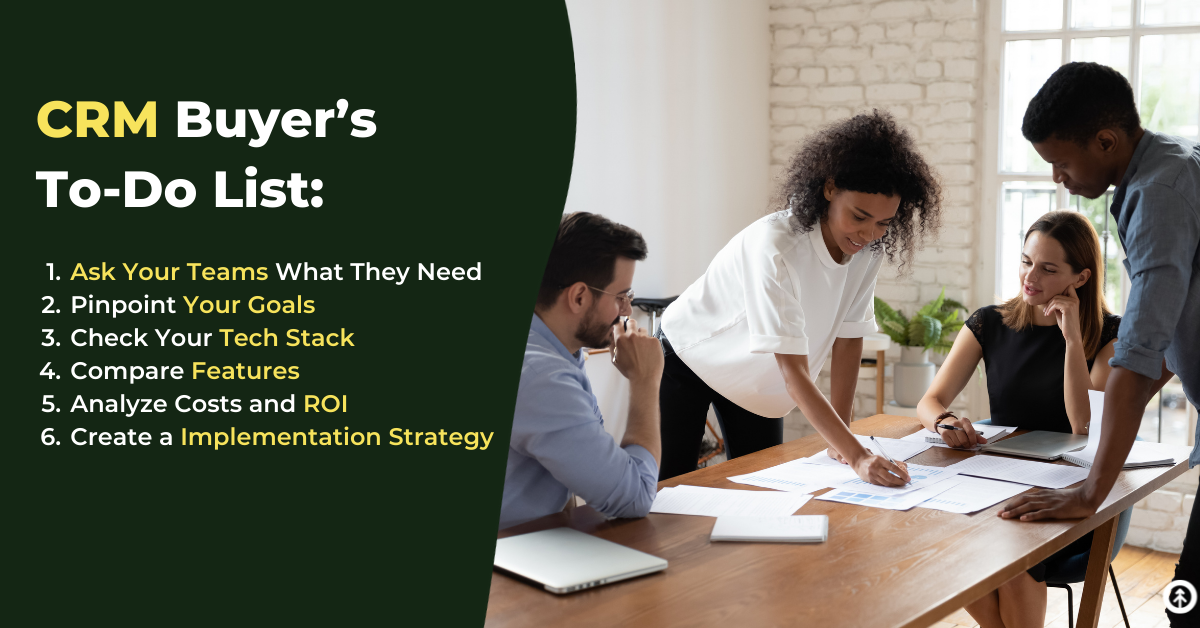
559,445
1157,209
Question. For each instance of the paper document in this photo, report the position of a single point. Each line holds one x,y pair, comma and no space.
1041,474
902,501
922,476
896,448
974,494
720,502
798,476
1142,454
991,432
796,529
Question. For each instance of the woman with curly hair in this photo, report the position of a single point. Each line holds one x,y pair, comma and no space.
750,336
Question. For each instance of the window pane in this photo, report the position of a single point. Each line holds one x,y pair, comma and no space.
1160,12
1100,13
1110,245
1027,65
1034,15
1110,51
1022,203
1171,84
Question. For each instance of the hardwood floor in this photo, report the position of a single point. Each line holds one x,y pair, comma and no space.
1142,574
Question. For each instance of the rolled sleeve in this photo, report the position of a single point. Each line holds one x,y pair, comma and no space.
860,319
1161,241
774,315
561,430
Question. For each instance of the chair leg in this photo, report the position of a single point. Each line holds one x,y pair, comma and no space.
1117,590
1070,603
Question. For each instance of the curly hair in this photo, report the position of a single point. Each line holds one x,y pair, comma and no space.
868,153
1079,100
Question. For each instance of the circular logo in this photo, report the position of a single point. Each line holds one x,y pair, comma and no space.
1179,597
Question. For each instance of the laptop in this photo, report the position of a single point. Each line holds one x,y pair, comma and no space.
563,560
1038,444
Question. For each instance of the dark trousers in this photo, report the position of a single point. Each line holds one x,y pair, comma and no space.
1188,568
684,399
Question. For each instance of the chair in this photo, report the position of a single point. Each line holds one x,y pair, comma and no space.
1063,572
655,308
1067,570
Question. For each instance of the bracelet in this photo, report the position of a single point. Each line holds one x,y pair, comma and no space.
942,417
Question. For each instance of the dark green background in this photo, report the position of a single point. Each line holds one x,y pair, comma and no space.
475,110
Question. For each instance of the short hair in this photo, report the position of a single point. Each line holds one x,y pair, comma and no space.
586,249
1078,101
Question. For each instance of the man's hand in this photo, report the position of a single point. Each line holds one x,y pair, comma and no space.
1064,504
638,356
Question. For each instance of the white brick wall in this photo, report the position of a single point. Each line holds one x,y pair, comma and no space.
918,59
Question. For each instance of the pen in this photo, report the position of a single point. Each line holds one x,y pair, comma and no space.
885,455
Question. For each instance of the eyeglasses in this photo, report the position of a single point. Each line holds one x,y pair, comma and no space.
626,297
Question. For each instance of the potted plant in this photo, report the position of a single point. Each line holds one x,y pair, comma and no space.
928,329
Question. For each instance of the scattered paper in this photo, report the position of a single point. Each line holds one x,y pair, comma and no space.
720,502
902,501
1020,471
798,476
921,475
974,494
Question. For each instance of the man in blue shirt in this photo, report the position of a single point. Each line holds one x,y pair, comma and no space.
1084,122
559,447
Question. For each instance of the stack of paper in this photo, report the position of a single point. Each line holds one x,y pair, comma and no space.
1041,474
1143,454
718,502
797,529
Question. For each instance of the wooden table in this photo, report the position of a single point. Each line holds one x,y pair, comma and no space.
879,568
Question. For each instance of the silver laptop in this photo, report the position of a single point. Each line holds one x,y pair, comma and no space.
564,560
1038,444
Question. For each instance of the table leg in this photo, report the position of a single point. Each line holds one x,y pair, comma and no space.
879,382
1097,574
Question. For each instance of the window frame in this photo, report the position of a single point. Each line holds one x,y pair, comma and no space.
987,268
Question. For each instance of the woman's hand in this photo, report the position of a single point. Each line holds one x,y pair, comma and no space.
1065,308
963,438
832,453
877,470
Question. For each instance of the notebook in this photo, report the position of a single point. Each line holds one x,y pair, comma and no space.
795,529
1038,444
990,432
1142,454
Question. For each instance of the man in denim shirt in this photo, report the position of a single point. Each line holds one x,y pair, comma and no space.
559,447
1084,123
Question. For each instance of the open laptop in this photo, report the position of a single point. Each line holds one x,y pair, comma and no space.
1038,444
564,560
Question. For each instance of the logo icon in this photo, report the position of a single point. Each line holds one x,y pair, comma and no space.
1179,597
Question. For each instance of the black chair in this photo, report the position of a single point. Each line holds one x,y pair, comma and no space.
1067,570
655,308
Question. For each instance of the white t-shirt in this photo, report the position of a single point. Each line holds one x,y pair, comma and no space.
770,291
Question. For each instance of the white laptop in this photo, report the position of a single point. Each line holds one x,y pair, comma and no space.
564,560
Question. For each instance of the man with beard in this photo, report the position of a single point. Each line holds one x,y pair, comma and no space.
559,447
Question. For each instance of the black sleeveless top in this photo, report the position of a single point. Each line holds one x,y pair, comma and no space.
1025,369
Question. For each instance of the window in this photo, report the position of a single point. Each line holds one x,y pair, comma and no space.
1153,43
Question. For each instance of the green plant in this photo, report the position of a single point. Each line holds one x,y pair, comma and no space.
928,328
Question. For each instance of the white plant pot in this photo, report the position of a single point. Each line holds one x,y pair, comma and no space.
912,376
